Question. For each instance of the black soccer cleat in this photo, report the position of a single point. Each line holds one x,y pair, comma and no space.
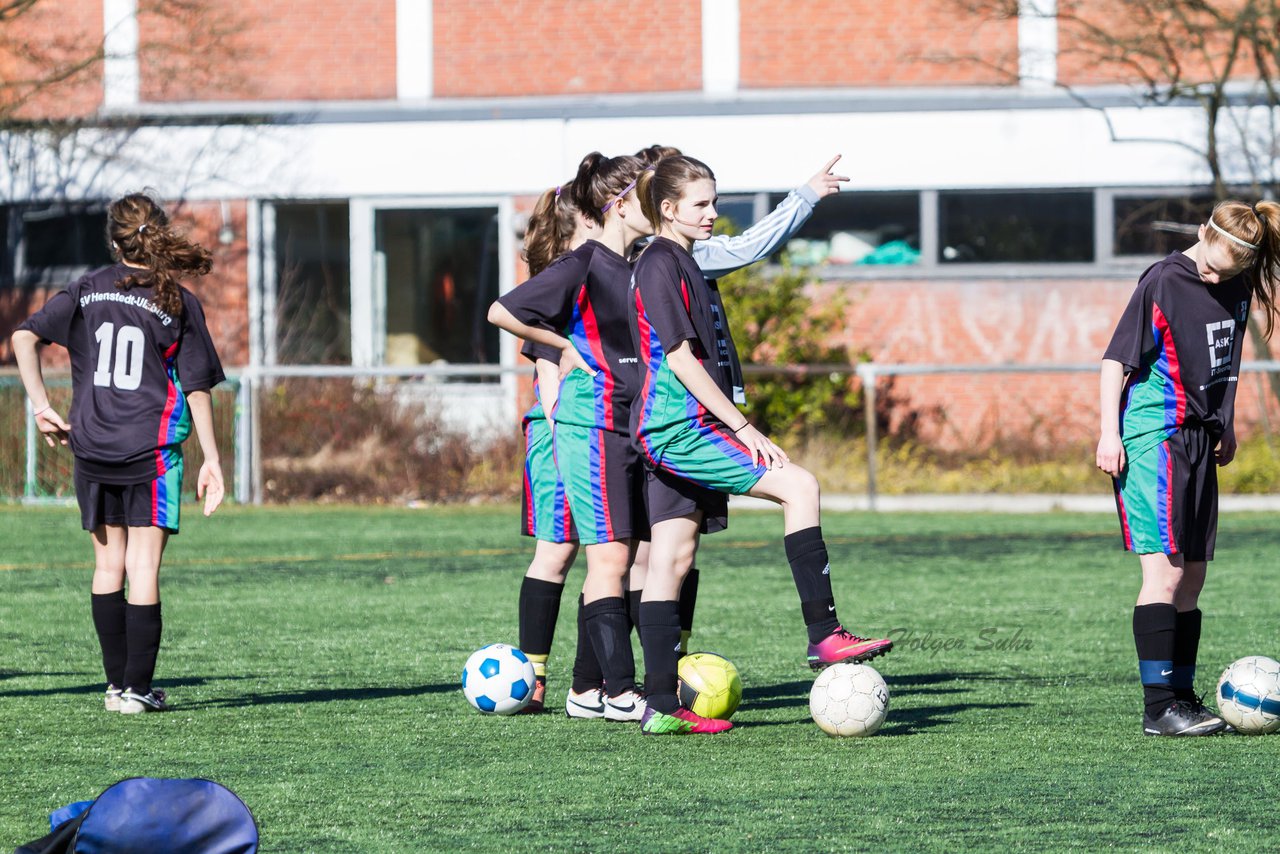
1183,718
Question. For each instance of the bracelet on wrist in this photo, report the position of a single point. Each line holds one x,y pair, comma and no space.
745,425
41,411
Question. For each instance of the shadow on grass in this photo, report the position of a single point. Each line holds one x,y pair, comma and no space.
97,687
320,695
902,721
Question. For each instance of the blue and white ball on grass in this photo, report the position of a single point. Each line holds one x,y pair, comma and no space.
849,700
1249,695
498,679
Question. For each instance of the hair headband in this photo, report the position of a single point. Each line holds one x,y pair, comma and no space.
557,192
1231,236
618,198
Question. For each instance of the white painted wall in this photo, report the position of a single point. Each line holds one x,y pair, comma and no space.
882,150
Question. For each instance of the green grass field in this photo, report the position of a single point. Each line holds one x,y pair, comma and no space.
313,655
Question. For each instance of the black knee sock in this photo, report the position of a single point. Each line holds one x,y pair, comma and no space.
108,620
143,625
688,601
807,554
611,639
633,609
539,610
1186,644
586,667
660,639
1153,634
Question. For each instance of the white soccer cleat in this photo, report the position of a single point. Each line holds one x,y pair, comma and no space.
587,705
627,706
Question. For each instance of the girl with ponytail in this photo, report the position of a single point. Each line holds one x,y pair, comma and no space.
577,308
700,448
1168,387
545,511
142,367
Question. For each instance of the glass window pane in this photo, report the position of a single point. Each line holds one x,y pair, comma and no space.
1029,227
735,213
441,273
859,228
313,284
1158,225
59,242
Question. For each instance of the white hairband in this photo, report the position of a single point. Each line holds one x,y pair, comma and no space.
1231,236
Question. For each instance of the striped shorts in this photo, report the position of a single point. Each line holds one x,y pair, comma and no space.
149,504
1167,498
704,452
544,507
604,481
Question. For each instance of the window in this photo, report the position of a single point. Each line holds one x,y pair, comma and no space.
53,244
313,284
859,228
1158,225
1030,227
440,267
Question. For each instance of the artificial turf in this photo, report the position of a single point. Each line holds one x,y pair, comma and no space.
312,656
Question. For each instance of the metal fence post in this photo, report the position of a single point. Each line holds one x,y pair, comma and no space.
29,479
867,371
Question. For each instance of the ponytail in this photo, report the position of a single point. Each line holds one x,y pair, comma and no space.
1266,268
601,181
550,229
138,231
1251,235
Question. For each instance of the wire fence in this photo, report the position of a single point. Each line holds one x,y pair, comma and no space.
346,433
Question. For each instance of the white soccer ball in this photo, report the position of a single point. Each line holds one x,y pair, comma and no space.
1249,695
849,700
498,679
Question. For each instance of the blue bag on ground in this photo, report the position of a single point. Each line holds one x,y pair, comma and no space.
145,814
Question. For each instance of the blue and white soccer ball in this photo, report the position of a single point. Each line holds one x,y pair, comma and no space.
1249,695
498,679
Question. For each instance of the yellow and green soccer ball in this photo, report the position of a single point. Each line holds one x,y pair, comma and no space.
709,685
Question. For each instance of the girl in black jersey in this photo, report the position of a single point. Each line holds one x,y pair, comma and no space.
1168,388
578,306
142,366
695,440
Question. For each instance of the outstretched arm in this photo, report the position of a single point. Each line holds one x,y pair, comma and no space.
720,255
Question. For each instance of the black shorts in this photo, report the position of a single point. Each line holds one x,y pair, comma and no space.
670,497
151,504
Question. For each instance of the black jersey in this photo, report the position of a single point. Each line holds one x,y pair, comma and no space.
1181,340
131,367
674,302
583,296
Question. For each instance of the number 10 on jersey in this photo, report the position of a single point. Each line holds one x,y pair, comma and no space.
119,356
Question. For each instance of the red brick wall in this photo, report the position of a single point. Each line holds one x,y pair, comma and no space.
1085,58
563,47
269,50
1000,322
52,41
801,43
224,293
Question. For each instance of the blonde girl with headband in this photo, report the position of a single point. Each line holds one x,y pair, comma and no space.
142,367
1168,388
701,448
